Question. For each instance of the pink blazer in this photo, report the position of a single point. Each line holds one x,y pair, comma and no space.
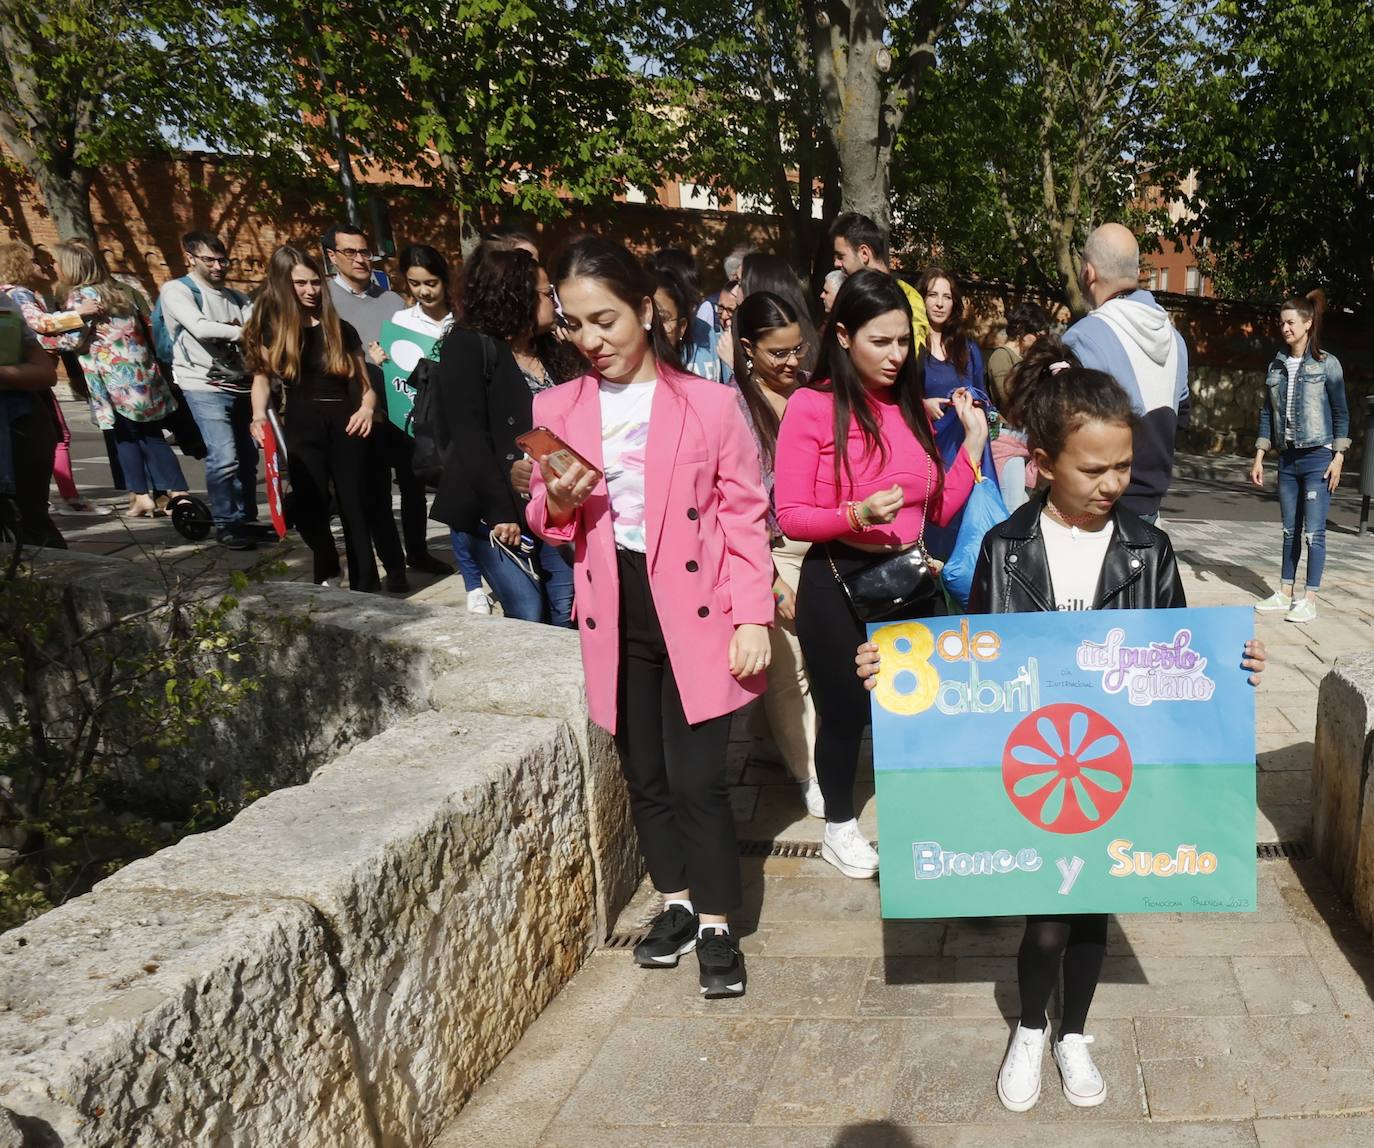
710,568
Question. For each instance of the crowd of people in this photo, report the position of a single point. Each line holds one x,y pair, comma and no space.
735,473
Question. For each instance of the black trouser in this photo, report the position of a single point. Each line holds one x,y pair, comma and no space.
385,540
1081,943
321,452
830,634
33,444
399,452
675,771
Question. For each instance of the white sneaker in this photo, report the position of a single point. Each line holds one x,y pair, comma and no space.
79,506
1275,602
811,794
1304,611
845,848
1083,1084
478,602
1018,1082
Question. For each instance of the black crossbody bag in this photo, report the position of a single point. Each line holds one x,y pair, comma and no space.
895,585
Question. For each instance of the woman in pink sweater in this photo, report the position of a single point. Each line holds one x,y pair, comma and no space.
863,503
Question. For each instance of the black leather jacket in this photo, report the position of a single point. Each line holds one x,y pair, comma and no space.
1013,573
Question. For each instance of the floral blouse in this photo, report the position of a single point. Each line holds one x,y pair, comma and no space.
57,331
121,373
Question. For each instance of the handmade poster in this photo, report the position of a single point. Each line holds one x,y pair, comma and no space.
1094,762
404,349
277,477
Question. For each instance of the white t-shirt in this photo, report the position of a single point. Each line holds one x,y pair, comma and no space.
624,448
1075,559
415,319
1291,364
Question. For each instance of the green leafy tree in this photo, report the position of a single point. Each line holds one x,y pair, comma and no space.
526,104
1063,125
86,83
1281,134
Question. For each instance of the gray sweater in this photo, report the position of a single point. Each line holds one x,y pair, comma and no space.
205,339
366,312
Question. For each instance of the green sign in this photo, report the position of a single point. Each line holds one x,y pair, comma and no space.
1093,762
404,349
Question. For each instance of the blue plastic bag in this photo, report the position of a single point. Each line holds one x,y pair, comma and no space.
984,510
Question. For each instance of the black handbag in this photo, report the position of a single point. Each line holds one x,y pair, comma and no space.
903,585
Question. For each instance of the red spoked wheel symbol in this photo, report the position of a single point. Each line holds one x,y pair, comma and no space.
1066,768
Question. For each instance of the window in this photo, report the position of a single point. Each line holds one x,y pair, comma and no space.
1163,279
698,198
1193,281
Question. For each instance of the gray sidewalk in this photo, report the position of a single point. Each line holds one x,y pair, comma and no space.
1238,1029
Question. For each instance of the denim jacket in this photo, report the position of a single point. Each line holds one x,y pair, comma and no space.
1322,418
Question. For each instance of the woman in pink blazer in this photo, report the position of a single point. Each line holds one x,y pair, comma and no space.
673,588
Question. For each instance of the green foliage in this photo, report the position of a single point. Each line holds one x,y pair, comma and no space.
1281,133
93,705
1042,119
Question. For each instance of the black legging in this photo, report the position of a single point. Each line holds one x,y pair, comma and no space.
675,771
830,634
1081,943
321,454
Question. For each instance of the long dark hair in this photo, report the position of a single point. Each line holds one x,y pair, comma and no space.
760,313
952,335
275,333
1311,306
500,291
429,259
611,265
1050,394
772,273
862,298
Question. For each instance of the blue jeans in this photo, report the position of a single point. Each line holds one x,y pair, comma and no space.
231,467
1304,500
144,456
548,600
467,564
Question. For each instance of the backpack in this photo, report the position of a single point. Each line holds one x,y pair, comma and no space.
426,423
164,338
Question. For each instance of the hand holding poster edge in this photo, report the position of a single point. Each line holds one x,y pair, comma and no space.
1033,701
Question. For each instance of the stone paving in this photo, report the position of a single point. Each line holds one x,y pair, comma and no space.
1245,1029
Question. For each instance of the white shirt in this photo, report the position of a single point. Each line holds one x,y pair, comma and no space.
624,449
1291,364
415,319
1075,559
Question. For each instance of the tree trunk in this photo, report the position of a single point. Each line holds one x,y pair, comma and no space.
862,141
68,200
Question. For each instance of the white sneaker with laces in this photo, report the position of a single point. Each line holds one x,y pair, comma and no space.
845,848
1083,1084
1018,1082
1304,611
1275,602
811,794
478,602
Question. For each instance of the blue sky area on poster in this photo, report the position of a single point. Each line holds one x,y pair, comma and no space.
1166,678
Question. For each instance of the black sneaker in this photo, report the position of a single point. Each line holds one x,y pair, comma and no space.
722,964
428,564
262,531
672,933
396,583
232,539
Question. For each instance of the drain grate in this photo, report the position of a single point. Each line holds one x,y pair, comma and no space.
624,940
779,849
1284,851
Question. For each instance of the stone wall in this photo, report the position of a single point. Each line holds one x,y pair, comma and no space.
344,962
1342,788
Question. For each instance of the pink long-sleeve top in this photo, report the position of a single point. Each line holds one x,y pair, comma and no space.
811,508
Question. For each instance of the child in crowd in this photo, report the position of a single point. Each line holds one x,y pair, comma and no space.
1070,548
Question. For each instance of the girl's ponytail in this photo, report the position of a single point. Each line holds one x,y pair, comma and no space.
1051,394
1311,307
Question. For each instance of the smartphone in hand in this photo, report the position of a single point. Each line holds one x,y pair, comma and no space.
542,445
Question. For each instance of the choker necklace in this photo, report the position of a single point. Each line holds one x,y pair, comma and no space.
1071,520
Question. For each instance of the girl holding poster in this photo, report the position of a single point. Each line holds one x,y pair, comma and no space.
864,504
1069,548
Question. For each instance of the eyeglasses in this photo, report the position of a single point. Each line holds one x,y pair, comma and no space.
778,358
548,293
353,252
214,259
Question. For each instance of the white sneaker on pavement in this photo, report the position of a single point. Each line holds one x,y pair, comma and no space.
478,602
1304,611
1083,1084
845,848
1018,1082
1275,602
811,794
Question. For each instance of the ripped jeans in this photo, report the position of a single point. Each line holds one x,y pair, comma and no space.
1304,500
